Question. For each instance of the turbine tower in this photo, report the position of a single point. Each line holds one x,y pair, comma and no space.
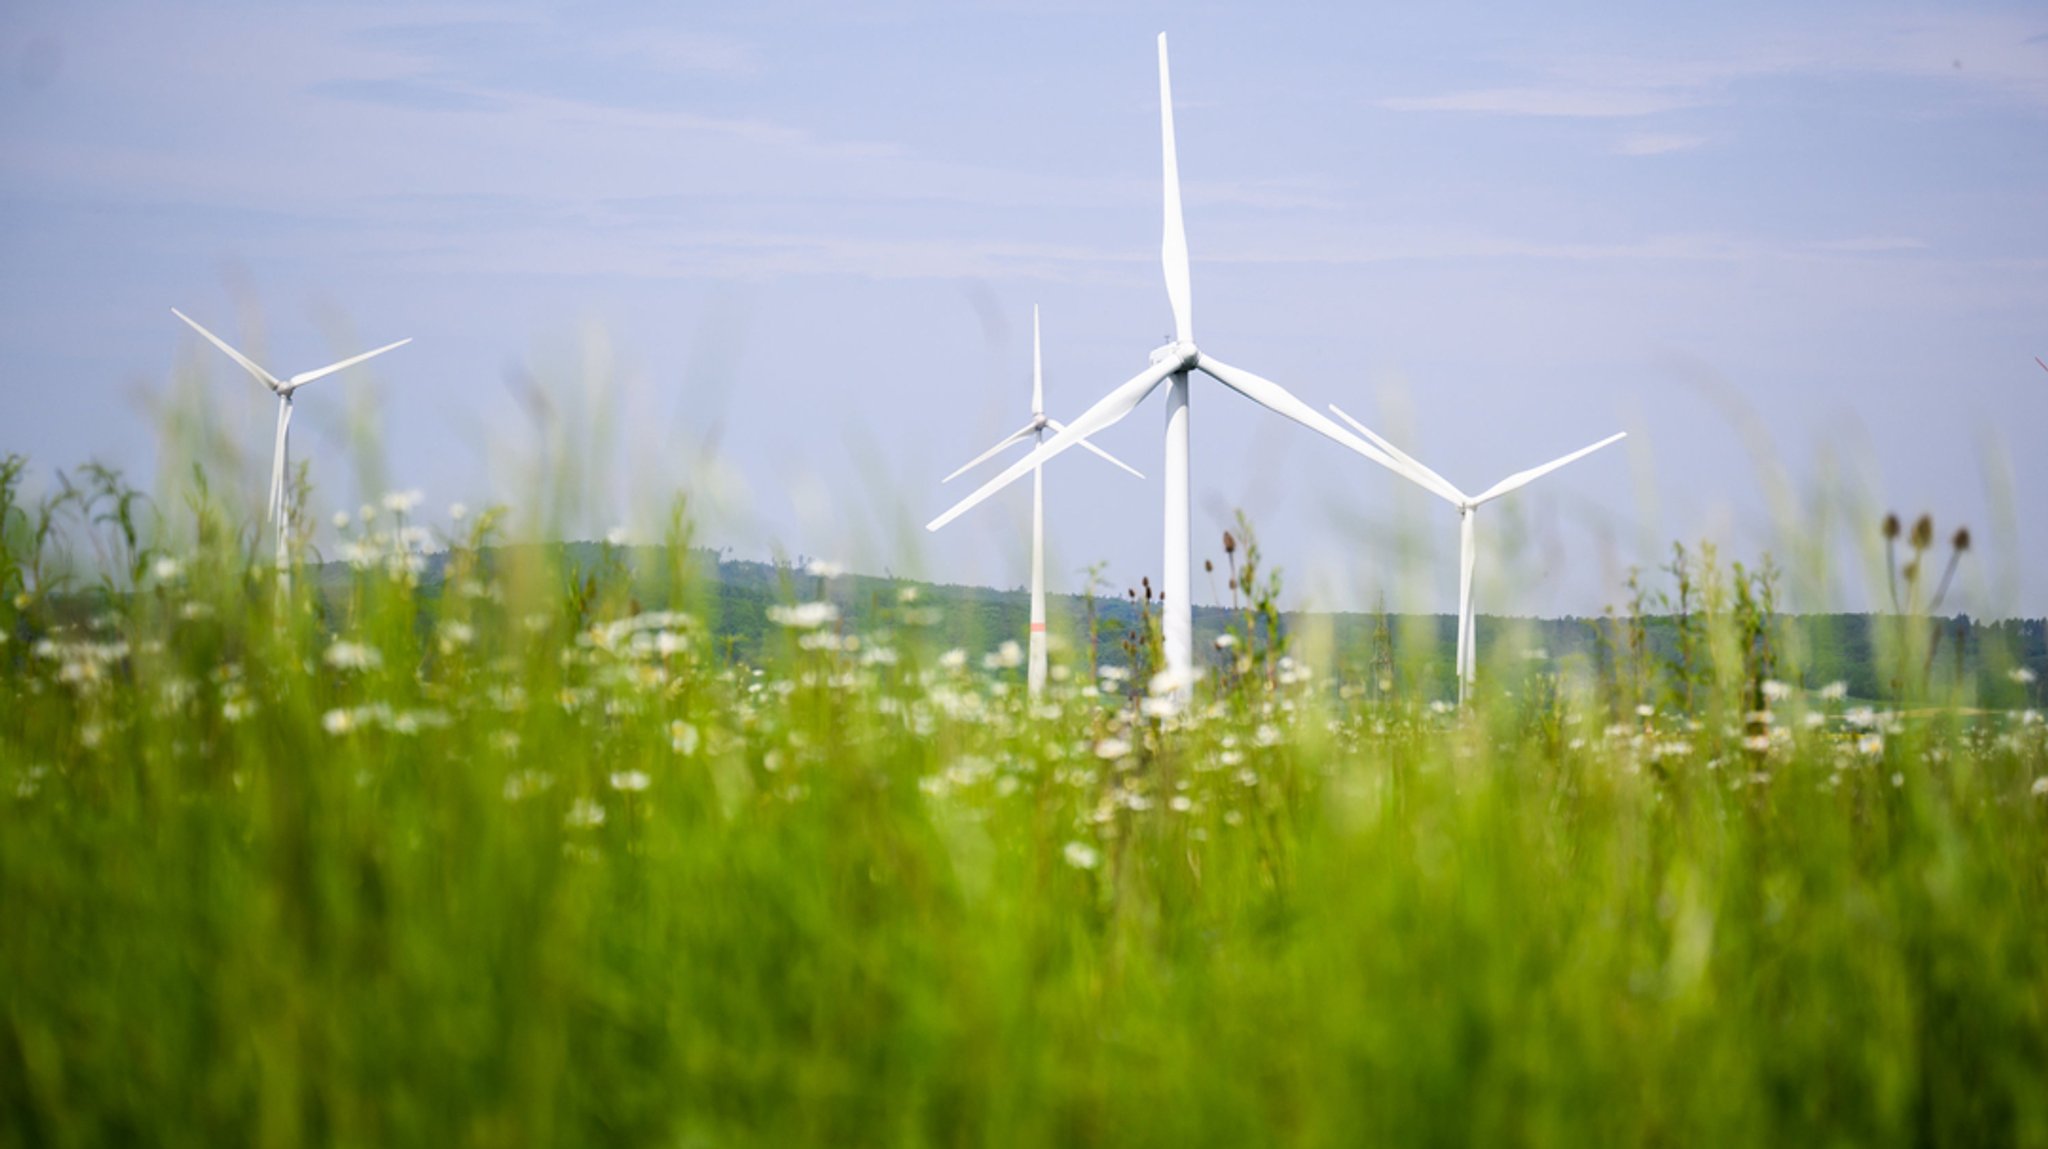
278,509
1175,361
1467,505
1035,431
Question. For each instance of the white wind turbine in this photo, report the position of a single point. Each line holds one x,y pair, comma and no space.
278,509
1173,361
1429,480
1035,430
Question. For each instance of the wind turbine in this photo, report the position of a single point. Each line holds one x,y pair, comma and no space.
1467,505
1035,431
277,509
1174,362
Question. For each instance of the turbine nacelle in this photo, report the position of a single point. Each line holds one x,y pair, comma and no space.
1183,355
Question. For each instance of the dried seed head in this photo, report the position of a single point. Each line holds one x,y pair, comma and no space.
1923,532
1962,539
1891,526
1912,571
1208,567
1229,543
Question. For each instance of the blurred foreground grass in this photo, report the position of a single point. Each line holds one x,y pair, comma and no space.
535,863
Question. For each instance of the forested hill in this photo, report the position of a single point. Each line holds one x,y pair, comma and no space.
1999,657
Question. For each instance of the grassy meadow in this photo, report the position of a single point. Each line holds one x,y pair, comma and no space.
534,859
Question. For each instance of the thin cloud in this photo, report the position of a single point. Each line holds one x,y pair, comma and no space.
1870,244
411,95
1580,103
1657,144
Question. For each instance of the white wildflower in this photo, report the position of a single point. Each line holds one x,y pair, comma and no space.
615,537
585,814
401,502
2021,674
1898,780
906,595
683,737
457,512
345,655
526,783
804,616
1834,691
629,781
1081,856
954,659
1870,745
822,568
166,569
340,520
1225,641
338,722
1646,711
1775,691
1112,748
1757,742
1180,803
2040,787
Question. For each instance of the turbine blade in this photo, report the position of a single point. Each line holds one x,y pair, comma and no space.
1418,474
1037,369
2044,365
1173,250
305,377
1057,426
1523,478
1107,410
991,453
248,364
1279,400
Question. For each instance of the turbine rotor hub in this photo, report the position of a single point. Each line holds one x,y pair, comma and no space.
1175,351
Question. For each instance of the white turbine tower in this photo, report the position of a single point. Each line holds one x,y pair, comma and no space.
1429,480
1173,361
278,509
1035,431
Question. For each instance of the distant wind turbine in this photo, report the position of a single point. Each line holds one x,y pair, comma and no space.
1035,431
1173,361
278,509
1429,480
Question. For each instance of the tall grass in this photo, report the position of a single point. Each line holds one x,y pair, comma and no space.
532,861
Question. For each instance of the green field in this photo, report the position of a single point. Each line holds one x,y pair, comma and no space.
536,859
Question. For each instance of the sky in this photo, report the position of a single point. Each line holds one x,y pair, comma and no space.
782,259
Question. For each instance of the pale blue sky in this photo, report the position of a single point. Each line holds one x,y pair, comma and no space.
813,238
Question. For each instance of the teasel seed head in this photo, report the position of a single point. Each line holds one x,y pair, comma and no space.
1923,532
